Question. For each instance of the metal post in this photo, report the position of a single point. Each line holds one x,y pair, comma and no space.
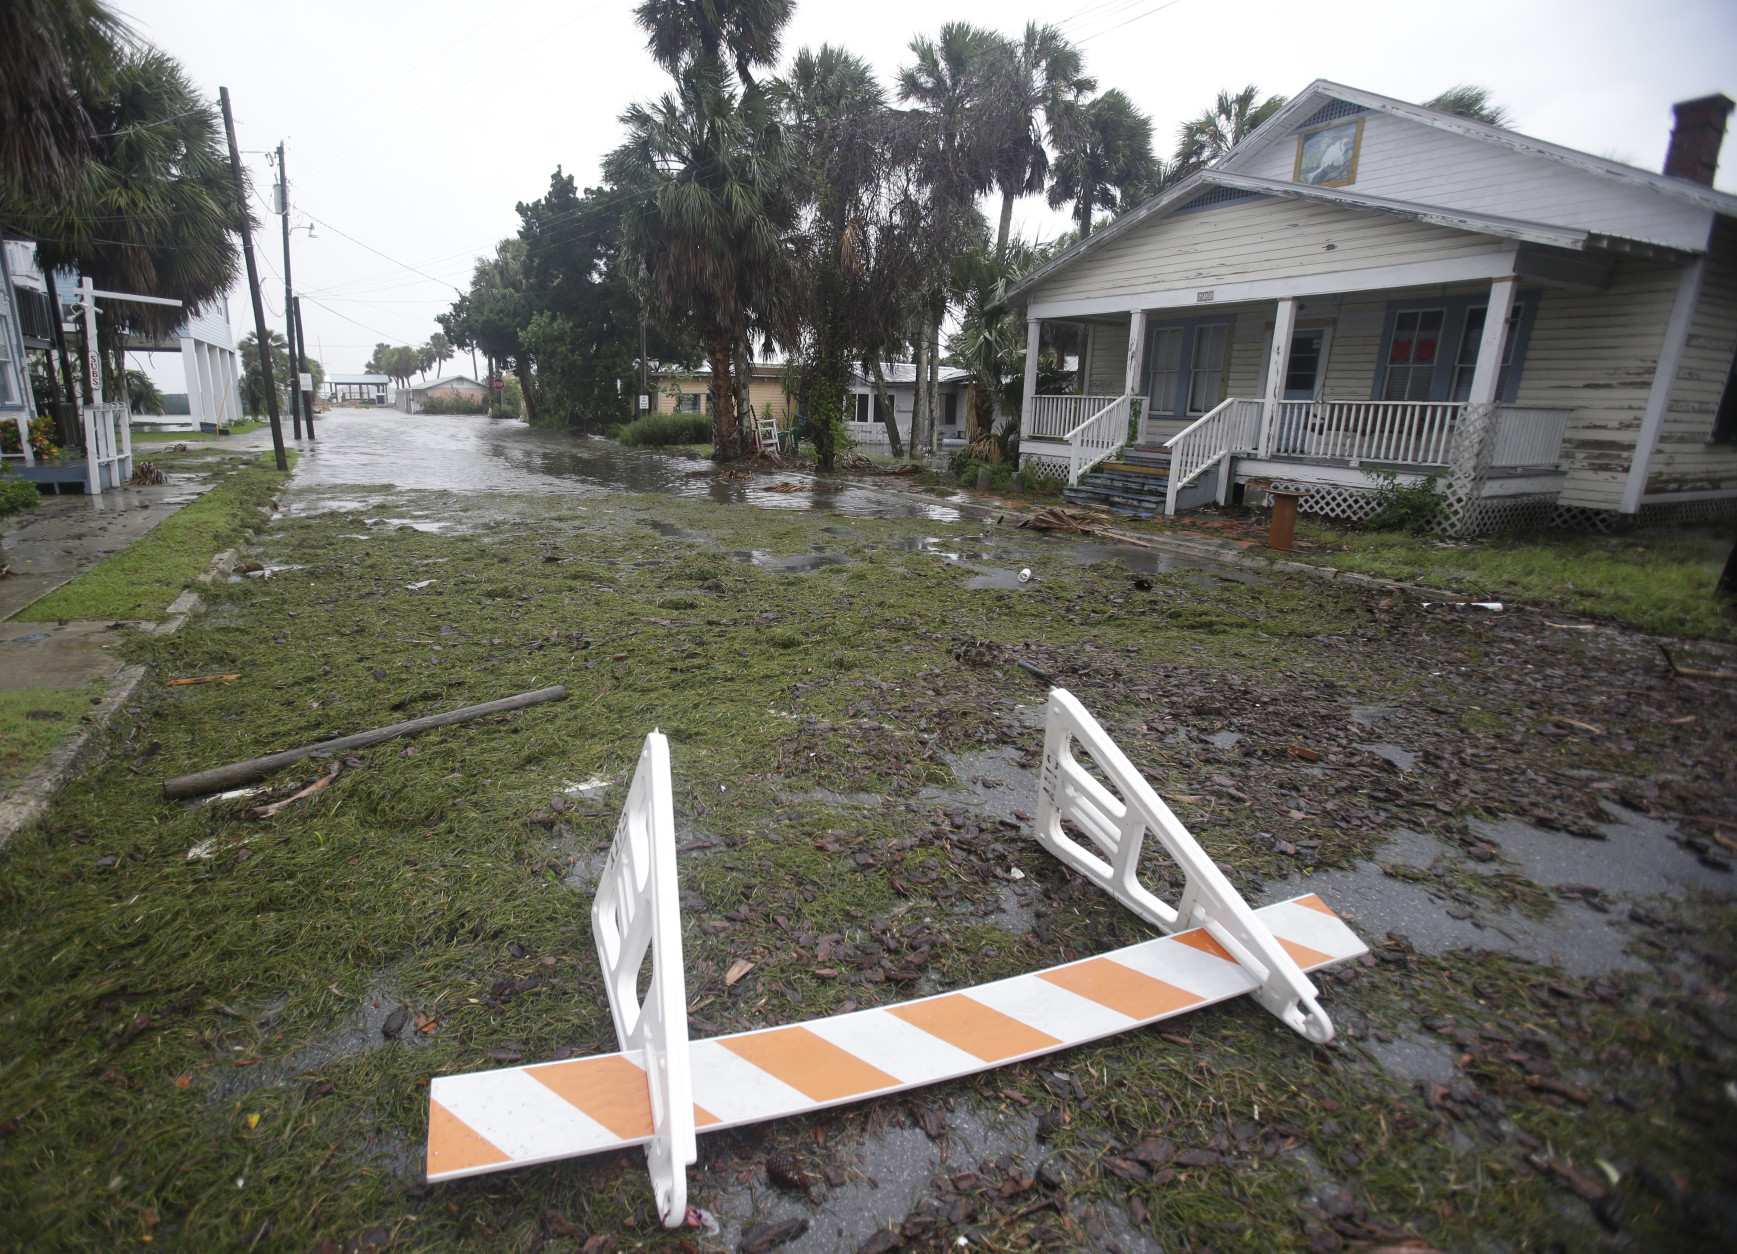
253,283
307,397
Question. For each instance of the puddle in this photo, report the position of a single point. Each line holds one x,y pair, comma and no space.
1148,562
1368,715
1393,753
1007,579
1224,739
800,564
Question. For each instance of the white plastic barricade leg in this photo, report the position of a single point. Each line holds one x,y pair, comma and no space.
637,908
1117,826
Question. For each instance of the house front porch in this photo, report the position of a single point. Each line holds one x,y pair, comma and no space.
1332,394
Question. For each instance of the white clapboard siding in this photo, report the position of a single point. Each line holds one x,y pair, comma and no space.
1353,350
1408,160
1594,353
1260,239
1684,461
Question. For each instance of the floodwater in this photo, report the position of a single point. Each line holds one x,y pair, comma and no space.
459,454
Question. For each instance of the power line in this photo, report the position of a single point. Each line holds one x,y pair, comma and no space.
1136,18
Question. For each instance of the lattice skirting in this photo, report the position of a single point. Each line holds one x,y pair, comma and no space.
1658,514
1044,467
1504,513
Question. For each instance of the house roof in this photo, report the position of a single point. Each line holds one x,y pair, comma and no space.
1307,102
358,378
906,372
450,381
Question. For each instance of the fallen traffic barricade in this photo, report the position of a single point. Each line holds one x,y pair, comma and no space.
662,1088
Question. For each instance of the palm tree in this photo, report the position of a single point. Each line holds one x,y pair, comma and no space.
1467,101
682,32
440,349
1031,91
949,82
153,209
54,54
1219,129
702,170
1106,147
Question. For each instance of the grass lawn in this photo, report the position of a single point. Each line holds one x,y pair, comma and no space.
33,721
193,1000
162,437
144,578
1659,579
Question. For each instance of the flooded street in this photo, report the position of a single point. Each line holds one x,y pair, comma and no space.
373,447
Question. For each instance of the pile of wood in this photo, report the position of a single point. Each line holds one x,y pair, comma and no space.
1055,518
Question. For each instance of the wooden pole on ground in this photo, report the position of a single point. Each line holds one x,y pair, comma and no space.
221,777
259,329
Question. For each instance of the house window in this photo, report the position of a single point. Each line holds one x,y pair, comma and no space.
1725,422
1206,373
8,385
862,402
1466,361
950,410
688,402
1411,357
1166,362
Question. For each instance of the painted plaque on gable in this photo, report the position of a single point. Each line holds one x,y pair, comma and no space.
1327,157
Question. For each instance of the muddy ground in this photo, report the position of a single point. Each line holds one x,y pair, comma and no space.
219,1029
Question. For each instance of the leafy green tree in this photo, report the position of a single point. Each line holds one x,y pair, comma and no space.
1230,120
1467,101
252,383
1105,149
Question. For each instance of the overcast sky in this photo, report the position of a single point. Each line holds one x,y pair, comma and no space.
413,128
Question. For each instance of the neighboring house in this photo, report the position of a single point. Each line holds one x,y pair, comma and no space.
457,387
863,421
17,304
690,392
210,362
1364,284
357,389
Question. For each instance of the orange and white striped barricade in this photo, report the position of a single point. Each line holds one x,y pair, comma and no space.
661,1088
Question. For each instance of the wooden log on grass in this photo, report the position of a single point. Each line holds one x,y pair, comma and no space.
237,773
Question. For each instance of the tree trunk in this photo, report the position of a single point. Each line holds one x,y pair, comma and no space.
889,412
1006,222
723,398
920,393
744,394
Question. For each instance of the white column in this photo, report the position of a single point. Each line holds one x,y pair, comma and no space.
230,361
1664,379
1136,359
1278,365
1033,329
1489,368
1086,351
190,369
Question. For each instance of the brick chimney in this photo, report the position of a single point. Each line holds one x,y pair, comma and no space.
1695,140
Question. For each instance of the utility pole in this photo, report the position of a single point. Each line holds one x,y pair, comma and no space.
293,383
259,330
644,365
307,395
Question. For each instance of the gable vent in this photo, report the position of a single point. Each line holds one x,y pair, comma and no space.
1332,111
1215,196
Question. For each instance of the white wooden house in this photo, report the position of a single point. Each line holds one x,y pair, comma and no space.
863,421
1365,284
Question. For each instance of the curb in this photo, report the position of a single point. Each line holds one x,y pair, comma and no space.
27,801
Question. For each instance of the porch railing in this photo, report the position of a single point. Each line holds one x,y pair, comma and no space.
1233,428
1528,436
1407,433
1055,417
108,446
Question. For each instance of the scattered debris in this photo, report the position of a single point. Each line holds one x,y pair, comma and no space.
266,811
1494,606
1055,518
148,475
200,679
1694,672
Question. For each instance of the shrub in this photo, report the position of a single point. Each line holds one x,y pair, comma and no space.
965,469
661,430
42,435
16,493
453,405
1403,506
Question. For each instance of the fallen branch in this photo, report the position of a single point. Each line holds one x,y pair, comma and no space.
1694,672
1056,518
220,777
265,812
200,679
